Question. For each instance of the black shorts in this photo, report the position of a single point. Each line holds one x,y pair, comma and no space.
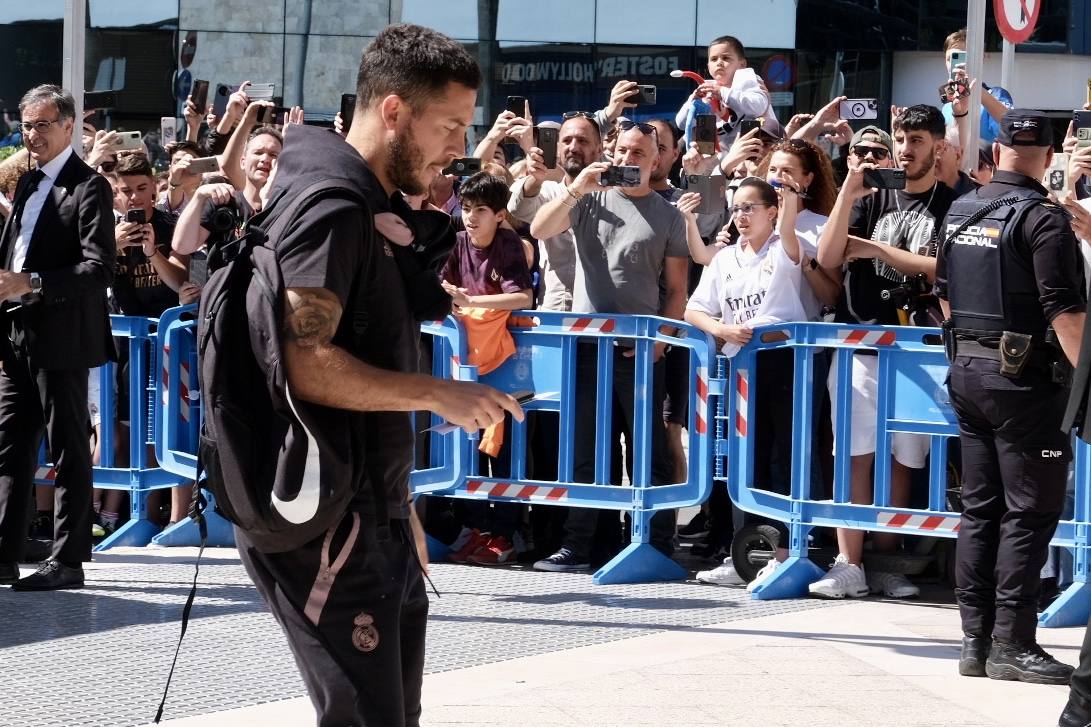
676,403
354,610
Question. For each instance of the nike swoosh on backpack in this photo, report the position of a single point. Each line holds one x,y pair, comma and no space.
304,505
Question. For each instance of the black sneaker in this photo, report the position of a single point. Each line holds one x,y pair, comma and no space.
1025,663
1077,713
695,529
563,561
975,652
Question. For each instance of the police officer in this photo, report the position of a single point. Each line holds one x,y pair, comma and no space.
1008,272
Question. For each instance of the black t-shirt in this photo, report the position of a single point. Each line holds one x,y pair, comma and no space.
138,289
892,217
345,255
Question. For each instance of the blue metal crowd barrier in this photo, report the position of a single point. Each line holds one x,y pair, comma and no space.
141,476
545,363
911,398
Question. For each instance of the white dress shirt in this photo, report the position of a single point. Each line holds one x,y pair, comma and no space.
33,208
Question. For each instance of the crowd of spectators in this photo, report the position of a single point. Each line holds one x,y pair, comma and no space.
796,236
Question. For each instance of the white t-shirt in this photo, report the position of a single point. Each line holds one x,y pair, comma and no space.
808,229
741,288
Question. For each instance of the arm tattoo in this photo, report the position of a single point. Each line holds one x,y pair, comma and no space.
312,316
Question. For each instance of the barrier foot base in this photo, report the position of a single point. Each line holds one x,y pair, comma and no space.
133,534
185,533
789,580
1072,608
639,563
437,551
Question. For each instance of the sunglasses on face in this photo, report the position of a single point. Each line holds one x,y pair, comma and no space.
578,115
879,152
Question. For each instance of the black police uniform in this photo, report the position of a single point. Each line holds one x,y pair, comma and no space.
1012,270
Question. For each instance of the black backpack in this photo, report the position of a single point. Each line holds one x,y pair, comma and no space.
255,438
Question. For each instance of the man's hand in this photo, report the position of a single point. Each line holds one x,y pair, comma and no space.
694,162
536,165
853,188
472,406
1081,219
179,171
192,114
896,111
295,116
1079,164
339,124
688,203
237,103
190,292
102,148
499,130
14,285
253,112
128,234
839,133
523,133
619,99
588,179
746,146
796,123
219,194
147,239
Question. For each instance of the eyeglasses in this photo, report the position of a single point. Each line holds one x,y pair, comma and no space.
879,152
41,127
746,208
626,124
578,115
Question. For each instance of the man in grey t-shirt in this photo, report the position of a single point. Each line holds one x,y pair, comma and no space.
626,238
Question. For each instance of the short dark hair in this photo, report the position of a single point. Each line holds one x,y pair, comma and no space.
185,145
674,135
415,63
922,117
266,131
132,165
50,93
732,42
485,189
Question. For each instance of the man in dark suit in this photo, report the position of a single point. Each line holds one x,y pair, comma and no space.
56,261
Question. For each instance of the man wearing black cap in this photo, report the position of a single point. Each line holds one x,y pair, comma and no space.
1009,274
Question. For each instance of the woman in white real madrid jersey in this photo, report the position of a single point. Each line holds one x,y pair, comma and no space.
752,283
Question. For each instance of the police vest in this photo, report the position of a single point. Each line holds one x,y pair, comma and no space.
990,274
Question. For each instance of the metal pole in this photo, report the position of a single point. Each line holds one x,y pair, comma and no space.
975,64
1007,66
75,37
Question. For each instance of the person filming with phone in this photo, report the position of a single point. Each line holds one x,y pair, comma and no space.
618,270
884,229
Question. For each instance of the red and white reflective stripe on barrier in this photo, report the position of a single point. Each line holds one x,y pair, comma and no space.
183,388
702,399
589,325
868,338
45,473
742,395
934,523
517,492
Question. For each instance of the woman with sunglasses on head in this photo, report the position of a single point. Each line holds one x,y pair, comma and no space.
752,283
802,166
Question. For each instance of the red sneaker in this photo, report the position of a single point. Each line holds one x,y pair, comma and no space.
497,551
477,541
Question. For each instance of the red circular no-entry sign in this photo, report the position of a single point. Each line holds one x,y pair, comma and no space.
1016,18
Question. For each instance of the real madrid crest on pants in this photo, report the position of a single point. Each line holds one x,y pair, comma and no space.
365,636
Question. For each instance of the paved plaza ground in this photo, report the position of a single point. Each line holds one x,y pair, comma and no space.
507,646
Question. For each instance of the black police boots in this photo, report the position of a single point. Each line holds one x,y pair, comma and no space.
975,651
1077,713
1025,663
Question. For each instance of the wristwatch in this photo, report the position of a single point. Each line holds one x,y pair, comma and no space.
35,284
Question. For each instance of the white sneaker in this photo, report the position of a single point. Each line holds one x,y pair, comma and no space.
722,575
843,579
891,585
763,574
